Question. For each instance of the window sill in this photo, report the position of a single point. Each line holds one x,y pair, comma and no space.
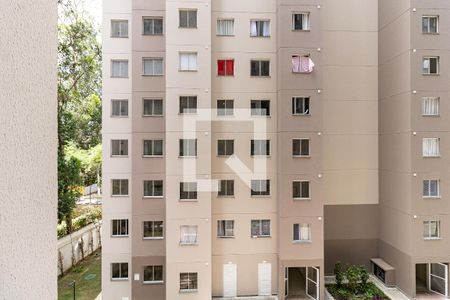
188,291
427,116
187,200
260,156
225,237
302,242
188,114
224,155
301,156
260,116
119,156
225,196
430,33
152,282
119,117
433,74
225,35
301,199
153,238
431,156
187,71
152,34
147,116
119,236
119,279
188,244
301,30
119,37
225,116
185,156
181,27
260,236
260,36
152,156
260,76
432,239
260,196
120,196
152,75
123,77
301,115
431,197
153,197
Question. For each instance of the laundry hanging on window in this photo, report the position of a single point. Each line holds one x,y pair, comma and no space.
302,64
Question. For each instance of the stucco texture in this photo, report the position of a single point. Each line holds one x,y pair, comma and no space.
28,144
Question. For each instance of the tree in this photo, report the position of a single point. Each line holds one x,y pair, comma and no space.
79,104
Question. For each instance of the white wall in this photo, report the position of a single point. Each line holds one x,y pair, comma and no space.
28,144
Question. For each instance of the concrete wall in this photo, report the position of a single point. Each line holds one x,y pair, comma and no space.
69,247
28,135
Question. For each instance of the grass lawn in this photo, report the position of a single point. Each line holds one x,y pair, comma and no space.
87,275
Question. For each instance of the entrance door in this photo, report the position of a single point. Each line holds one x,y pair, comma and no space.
312,282
264,279
229,280
286,282
437,280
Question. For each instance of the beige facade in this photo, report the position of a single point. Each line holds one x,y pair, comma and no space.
345,141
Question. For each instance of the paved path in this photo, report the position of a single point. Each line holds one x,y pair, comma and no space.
392,292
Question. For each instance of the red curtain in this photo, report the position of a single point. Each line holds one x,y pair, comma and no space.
221,67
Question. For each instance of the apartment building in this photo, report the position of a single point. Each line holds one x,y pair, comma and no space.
249,145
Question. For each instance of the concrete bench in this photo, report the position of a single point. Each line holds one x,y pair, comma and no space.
383,271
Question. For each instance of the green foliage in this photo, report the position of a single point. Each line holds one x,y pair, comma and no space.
88,215
338,273
91,162
77,269
353,278
79,105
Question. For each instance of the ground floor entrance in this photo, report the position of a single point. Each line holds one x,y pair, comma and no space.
431,279
301,283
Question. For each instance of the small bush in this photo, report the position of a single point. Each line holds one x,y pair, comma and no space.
77,269
61,229
338,273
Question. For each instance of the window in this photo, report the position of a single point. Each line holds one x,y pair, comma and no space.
430,24
225,27
431,188
225,147
153,229
302,64
225,107
153,274
119,68
120,187
119,271
188,282
260,28
152,107
225,228
260,187
260,68
188,147
119,227
188,18
188,190
188,62
300,21
119,147
119,108
300,147
153,147
431,230
300,106
430,147
226,188
430,65
225,67
153,188
430,106
260,107
302,232
188,104
188,234
119,28
259,147
152,66
260,228
300,189
153,26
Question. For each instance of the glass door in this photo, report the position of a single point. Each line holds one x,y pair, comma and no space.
437,281
312,282
286,282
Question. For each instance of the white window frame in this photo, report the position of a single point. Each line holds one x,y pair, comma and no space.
303,13
428,25
300,140
300,189
303,101
427,147
192,59
189,290
438,188
427,104
120,271
153,184
123,66
121,183
427,71
218,33
122,145
188,11
119,226
256,21
262,183
260,147
188,147
121,105
189,100
301,238
152,19
153,141
225,112
429,233
258,111
153,101
226,227
226,192
260,61
190,229
153,275
191,188
154,60
152,226
226,146
120,23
